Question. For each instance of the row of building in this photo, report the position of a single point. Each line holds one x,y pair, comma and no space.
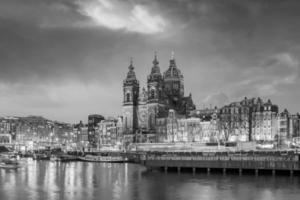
246,120
160,112
34,132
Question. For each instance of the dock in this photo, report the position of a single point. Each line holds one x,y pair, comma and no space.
254,161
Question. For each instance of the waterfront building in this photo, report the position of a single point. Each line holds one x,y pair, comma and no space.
161,130
264,121
93,121
294,126
33,132
283,127
63,135
177,128
120,129
109,134
247,120
163,92
81,132
288,126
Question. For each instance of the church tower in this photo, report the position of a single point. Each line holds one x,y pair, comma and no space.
173,84
130,101
155,93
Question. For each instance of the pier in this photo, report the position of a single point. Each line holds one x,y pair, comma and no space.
255,161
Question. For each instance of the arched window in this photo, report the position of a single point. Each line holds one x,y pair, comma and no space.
152,94
128,97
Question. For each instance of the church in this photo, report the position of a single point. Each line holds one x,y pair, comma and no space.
164,91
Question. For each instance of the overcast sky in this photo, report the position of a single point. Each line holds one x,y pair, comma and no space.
65,59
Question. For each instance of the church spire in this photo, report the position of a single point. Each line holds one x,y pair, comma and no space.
131,68
155,70
155,62
172,61
131,73
172,55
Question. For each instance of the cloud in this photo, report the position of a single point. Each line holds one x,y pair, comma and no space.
68,102
51,48
274,71
116,15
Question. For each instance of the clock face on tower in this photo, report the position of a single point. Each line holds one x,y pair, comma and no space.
142,116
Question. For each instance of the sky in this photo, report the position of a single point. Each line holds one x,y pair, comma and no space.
65,59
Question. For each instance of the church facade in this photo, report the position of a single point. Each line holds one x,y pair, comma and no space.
143,106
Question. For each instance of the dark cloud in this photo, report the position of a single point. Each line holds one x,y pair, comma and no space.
237,48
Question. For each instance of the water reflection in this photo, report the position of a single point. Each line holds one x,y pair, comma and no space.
82,180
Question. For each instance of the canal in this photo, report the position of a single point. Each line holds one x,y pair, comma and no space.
82,180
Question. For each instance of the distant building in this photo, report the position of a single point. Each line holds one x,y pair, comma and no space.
204,114
93,121
8,125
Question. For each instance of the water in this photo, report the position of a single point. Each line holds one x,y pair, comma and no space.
79,180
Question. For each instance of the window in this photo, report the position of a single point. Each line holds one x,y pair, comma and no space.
128,97
152,94
176,86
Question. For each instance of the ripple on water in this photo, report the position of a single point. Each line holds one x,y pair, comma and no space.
82,180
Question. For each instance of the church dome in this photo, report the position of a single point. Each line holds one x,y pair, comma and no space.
173,72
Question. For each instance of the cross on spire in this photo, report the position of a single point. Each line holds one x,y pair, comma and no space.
155,62
131,64
131,60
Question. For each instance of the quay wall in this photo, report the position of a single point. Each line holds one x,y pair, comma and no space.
249,162
222,164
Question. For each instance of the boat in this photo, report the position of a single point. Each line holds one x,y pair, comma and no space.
63,158
41,156
101,158
9,164
55,158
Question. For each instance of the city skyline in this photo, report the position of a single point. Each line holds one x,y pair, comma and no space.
67,59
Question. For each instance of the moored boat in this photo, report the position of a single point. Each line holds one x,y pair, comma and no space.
9,164
101,158
41,156
63,158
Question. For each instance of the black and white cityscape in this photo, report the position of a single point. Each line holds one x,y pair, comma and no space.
136,99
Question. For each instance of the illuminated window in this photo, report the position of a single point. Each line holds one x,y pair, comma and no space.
127,97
